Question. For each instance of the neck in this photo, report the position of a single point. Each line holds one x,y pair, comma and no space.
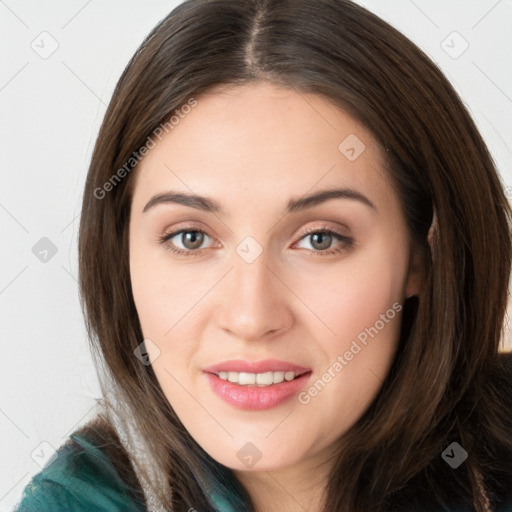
297,488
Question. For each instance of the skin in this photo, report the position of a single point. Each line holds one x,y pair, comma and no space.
252,149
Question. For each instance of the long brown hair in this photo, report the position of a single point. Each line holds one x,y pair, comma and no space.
442,384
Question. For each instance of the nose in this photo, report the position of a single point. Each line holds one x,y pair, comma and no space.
254,301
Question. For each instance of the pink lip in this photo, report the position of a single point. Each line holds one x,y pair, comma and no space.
254,398
267,365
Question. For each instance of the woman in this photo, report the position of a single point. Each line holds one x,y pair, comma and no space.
294,257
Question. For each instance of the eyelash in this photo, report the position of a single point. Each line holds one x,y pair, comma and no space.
347,242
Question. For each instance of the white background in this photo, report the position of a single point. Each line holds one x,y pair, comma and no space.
50,113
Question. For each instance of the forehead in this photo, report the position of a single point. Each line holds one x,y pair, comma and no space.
263,142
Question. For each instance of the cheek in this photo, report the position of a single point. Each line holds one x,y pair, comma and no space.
350,296
150,300
363,307
360,302
162,295
167,300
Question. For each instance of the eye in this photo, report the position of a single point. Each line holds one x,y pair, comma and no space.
321,240
191,240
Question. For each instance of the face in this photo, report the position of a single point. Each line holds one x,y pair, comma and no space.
272,318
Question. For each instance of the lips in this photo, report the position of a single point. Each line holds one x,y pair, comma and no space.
252,398
268,365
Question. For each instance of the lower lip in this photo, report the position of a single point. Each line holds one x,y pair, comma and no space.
254,398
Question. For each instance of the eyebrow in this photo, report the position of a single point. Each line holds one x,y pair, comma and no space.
294,205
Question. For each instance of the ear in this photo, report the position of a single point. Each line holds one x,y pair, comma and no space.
414,276
432,232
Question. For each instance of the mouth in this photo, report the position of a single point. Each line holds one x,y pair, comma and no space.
267,365
256,385
258,379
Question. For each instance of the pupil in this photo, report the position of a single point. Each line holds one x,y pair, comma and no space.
317,239
192,239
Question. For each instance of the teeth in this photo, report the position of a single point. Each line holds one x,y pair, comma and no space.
257,379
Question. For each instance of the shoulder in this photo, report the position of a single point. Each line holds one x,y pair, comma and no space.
492,431
89,472
439,486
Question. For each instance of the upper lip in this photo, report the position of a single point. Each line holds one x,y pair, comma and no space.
267,365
